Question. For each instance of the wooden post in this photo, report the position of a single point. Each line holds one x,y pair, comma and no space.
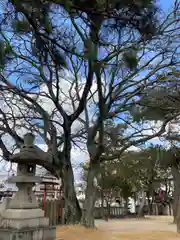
44,200
51,212
59,203
56,210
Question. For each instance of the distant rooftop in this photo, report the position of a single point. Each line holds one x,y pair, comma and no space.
5,186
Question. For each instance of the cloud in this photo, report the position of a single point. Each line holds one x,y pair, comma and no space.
14,108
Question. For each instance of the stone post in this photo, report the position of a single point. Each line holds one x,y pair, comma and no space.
22,219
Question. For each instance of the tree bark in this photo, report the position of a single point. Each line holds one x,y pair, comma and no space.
175,206
108,210
176,201
102,202
126,206
87,219
72,210
150,209
104,215
141,207
177,215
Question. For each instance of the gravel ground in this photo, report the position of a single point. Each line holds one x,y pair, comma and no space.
151,228
152,224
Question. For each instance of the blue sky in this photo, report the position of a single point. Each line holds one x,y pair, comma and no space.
165,4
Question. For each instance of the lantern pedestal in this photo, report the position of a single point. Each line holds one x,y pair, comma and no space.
28,234
20,217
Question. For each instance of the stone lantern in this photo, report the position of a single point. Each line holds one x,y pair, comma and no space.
22,218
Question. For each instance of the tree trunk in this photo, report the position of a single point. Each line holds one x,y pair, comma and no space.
142,204
108,210
175,206
103,214
150,209
177,215
72,210
102,202
176,201
126,206
87,219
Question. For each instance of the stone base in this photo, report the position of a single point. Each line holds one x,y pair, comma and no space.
20,219
22,213
48,233
24,223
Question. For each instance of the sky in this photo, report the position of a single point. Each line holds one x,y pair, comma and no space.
76,156
165,4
